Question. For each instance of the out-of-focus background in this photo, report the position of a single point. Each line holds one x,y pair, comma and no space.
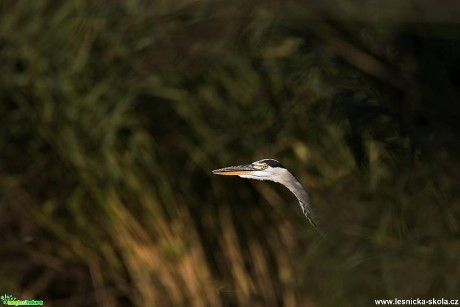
114,113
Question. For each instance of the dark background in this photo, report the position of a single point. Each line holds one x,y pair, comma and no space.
114,113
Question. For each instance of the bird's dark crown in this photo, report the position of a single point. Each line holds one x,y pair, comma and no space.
271,162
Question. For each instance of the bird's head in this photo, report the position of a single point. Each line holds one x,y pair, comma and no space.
266,169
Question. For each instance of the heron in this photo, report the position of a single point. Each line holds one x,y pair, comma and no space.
272,170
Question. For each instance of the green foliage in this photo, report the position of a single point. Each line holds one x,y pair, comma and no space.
114,113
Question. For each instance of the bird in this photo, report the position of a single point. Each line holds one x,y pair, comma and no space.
273,170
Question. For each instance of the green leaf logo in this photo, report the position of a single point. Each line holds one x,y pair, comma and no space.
5,298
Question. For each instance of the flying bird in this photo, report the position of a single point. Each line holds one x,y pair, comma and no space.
270,169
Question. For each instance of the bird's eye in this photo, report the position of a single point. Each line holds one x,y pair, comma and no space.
261,166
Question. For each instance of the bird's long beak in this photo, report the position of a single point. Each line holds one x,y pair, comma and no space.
235,170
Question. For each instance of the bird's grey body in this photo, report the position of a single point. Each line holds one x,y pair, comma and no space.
270,169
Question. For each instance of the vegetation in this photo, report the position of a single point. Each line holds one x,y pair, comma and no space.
114,113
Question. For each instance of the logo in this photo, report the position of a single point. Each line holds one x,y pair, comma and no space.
9,300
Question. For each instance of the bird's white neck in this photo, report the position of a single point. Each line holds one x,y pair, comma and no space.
287,179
